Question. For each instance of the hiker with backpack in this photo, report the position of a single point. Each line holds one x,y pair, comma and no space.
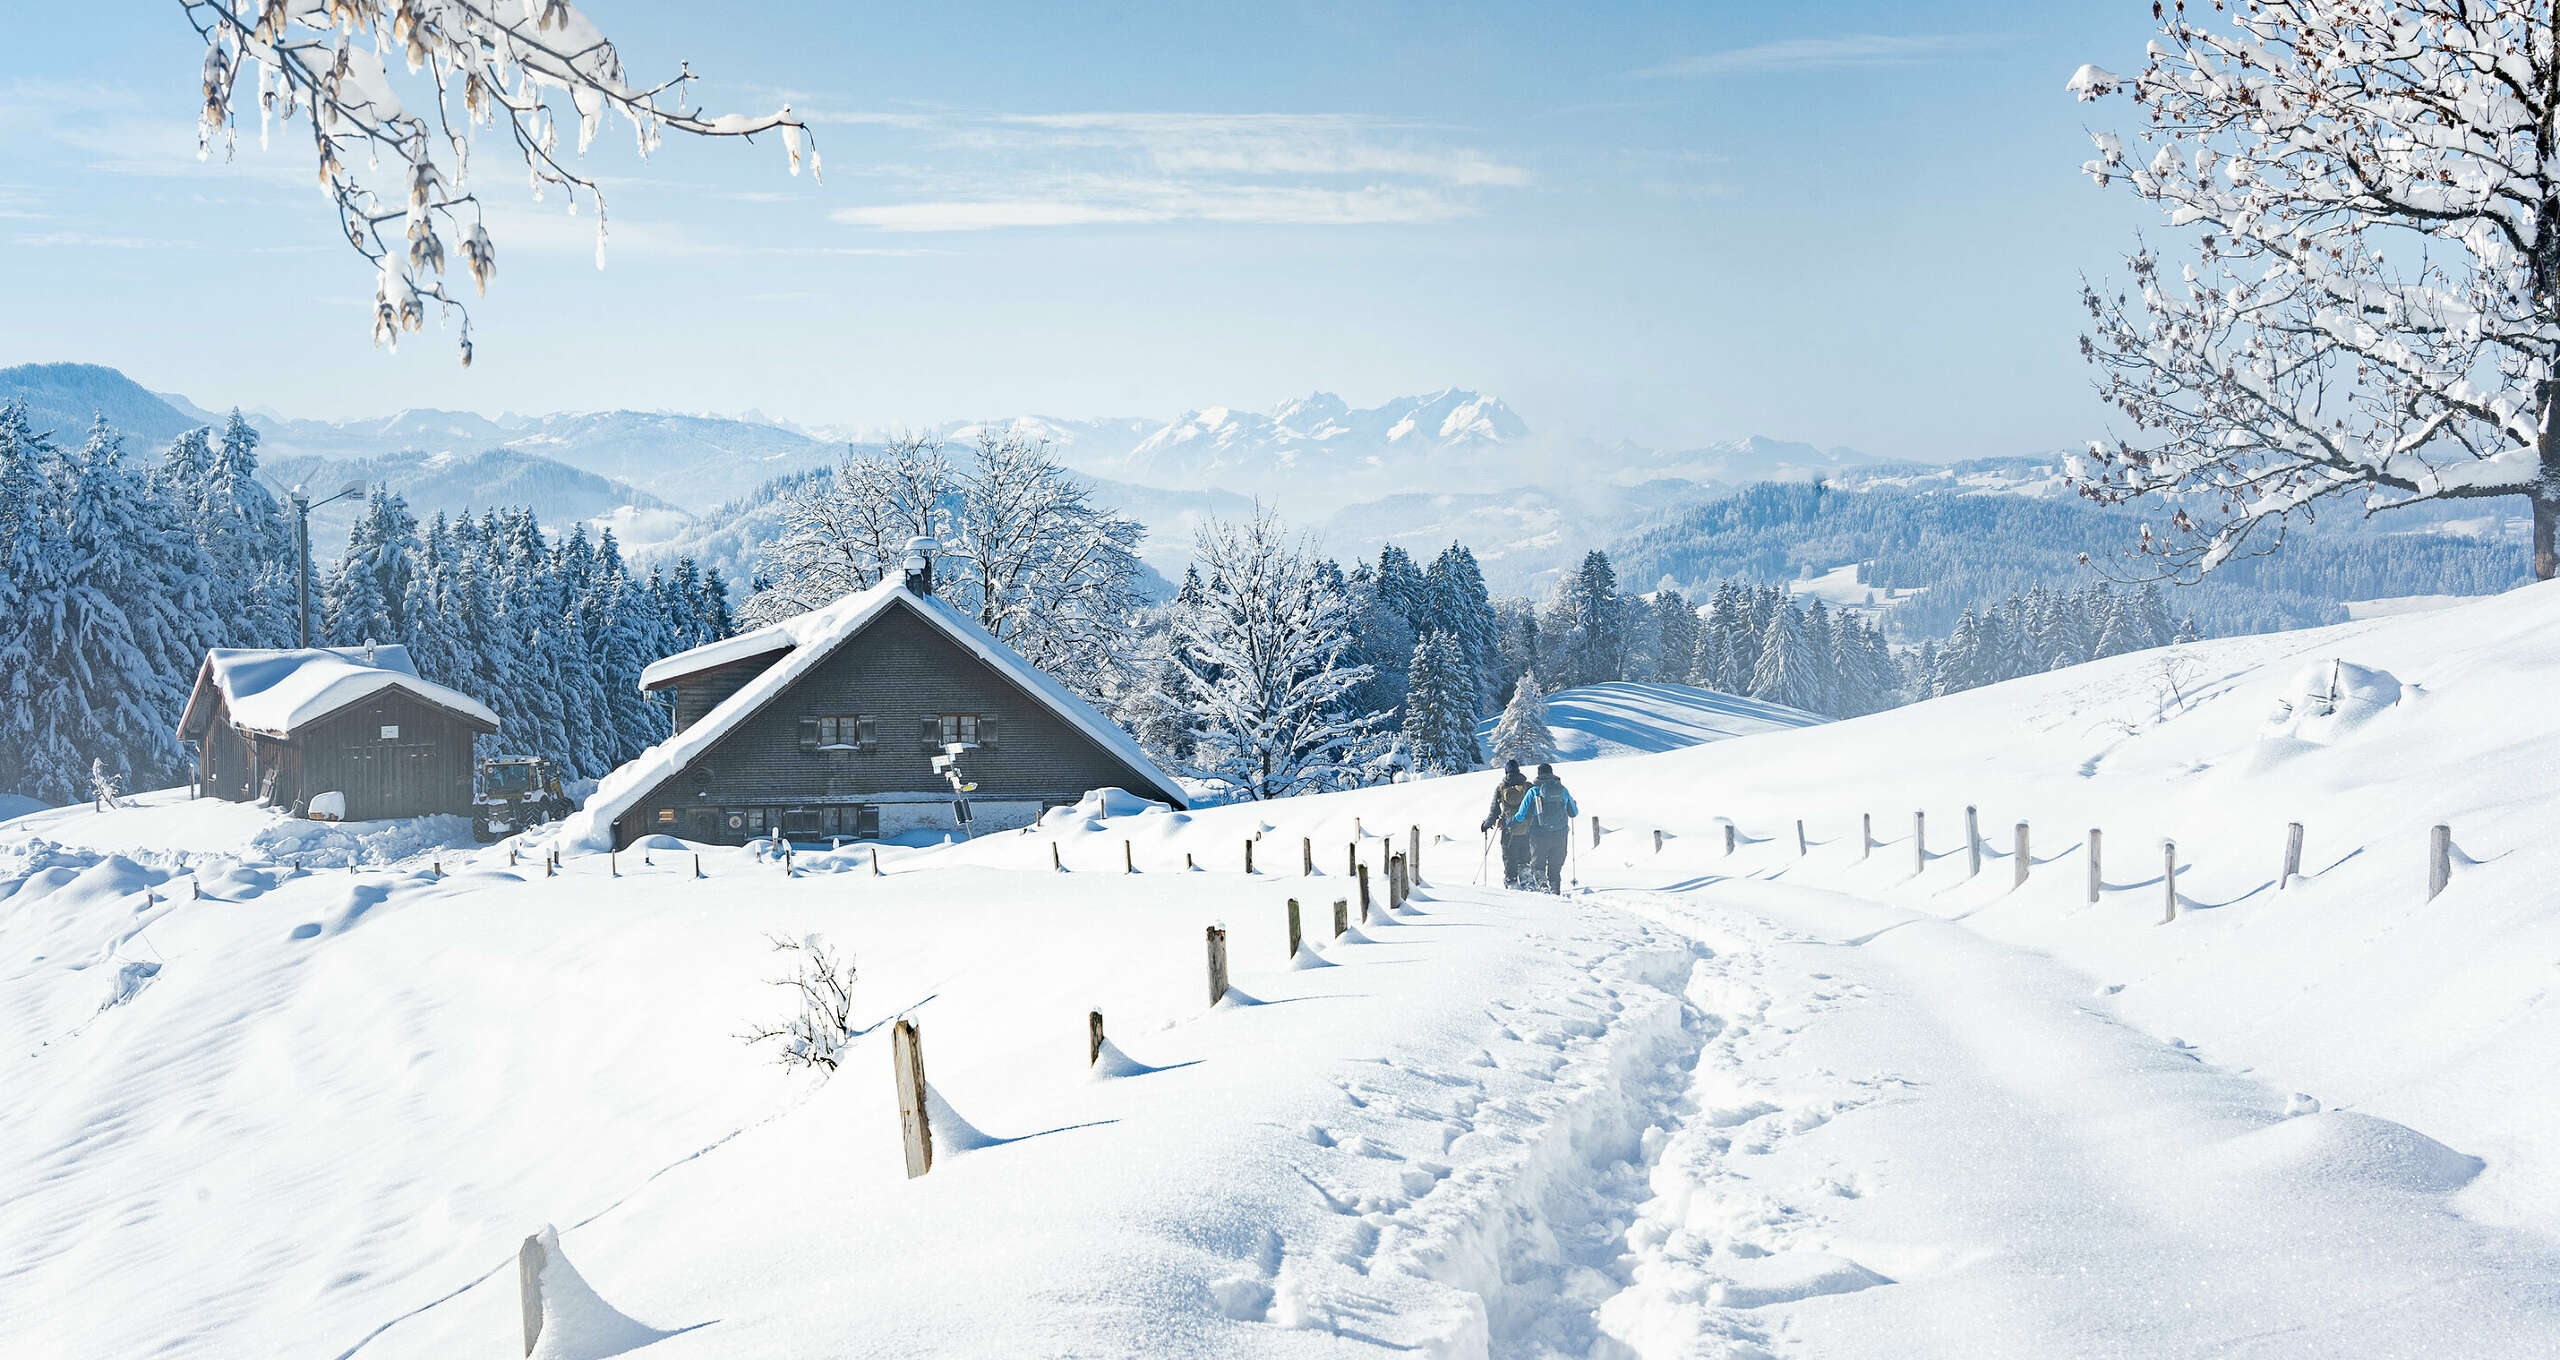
1547,812
1515,838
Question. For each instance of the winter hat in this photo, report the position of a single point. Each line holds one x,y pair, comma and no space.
1546,771
1510,770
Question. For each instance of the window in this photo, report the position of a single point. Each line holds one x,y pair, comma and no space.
965,729
391,731
840,732
666,816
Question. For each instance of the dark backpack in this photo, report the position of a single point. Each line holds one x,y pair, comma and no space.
1511,795
1553,810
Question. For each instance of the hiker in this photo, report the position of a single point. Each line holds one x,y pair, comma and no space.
1515,839
1547,812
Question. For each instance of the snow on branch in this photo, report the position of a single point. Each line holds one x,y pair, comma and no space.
400,179
2371,307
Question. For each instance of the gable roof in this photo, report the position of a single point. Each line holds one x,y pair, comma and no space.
807,640
277,690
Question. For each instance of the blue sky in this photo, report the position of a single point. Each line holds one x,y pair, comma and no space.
1850,224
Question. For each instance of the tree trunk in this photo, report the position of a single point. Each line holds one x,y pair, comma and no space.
2546,535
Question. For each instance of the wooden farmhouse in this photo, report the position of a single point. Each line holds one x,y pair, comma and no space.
289,725
829,724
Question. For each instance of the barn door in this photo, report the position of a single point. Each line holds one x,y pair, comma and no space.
389,779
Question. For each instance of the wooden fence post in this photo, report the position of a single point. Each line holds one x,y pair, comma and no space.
1866,835
612,864
2094,883
1364,893
2292,855
530,1259
1093,1039
2169,881
1413,856
1295,939
697,865
2024,860
1972,842
1803,847
549,870
1351,859
1186,861
511,860
1055,864
1729,837
875,859
1306,857
1400,879
1919,842
1595,831
2439,859
1657,840
906,1057
195,887
1248,857
1217,964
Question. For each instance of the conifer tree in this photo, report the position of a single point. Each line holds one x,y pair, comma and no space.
1788,672
1439,715
1522,733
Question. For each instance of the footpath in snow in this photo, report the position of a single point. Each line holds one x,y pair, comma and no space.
1795,1098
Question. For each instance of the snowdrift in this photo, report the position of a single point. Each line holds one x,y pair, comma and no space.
1625,718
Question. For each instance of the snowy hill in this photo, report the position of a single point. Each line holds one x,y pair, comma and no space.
64,398
1835,1100
1624,718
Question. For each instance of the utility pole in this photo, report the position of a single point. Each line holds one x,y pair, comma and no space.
303,505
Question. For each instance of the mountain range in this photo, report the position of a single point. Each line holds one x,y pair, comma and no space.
1420,470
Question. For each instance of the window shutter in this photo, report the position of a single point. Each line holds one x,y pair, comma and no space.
932,735
986,732
868,729
808,734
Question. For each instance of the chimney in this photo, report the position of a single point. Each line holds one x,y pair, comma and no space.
919,564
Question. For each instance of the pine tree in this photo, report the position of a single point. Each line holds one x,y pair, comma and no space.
1464,608
1439,715
1589,625
1522,733
1675,628
1788,671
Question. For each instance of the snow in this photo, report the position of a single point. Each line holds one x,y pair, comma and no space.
1627,718
811,638
280,690
1777,1102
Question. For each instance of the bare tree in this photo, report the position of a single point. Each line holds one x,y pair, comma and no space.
400,180
2372,308
821,1022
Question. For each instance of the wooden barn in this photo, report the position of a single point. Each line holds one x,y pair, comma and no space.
829,725
288,725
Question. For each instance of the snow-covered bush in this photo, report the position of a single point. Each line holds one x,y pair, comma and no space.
821,1022
106,790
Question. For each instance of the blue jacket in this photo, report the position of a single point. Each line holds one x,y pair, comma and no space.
1538,792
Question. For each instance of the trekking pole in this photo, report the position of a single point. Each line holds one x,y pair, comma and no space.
1483,858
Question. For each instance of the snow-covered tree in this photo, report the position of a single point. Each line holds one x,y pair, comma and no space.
400,178
1675,632
1024,548
364,597
1788,671
1440,708
1265,648
1463,608
1521,733
1588,625
2372,307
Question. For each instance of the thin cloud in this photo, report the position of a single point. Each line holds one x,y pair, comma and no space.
998,171
94,240
1123,202
1847,52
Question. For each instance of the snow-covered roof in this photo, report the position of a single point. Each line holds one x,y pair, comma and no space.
281,689
810,639
773,637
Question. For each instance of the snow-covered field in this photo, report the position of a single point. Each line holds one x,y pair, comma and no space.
1820,1102
1624,717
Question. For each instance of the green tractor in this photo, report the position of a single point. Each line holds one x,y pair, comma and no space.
516,792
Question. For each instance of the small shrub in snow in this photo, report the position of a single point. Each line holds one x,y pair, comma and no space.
821,985
106,790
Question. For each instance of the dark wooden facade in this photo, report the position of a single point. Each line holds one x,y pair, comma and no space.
391,753
844,749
